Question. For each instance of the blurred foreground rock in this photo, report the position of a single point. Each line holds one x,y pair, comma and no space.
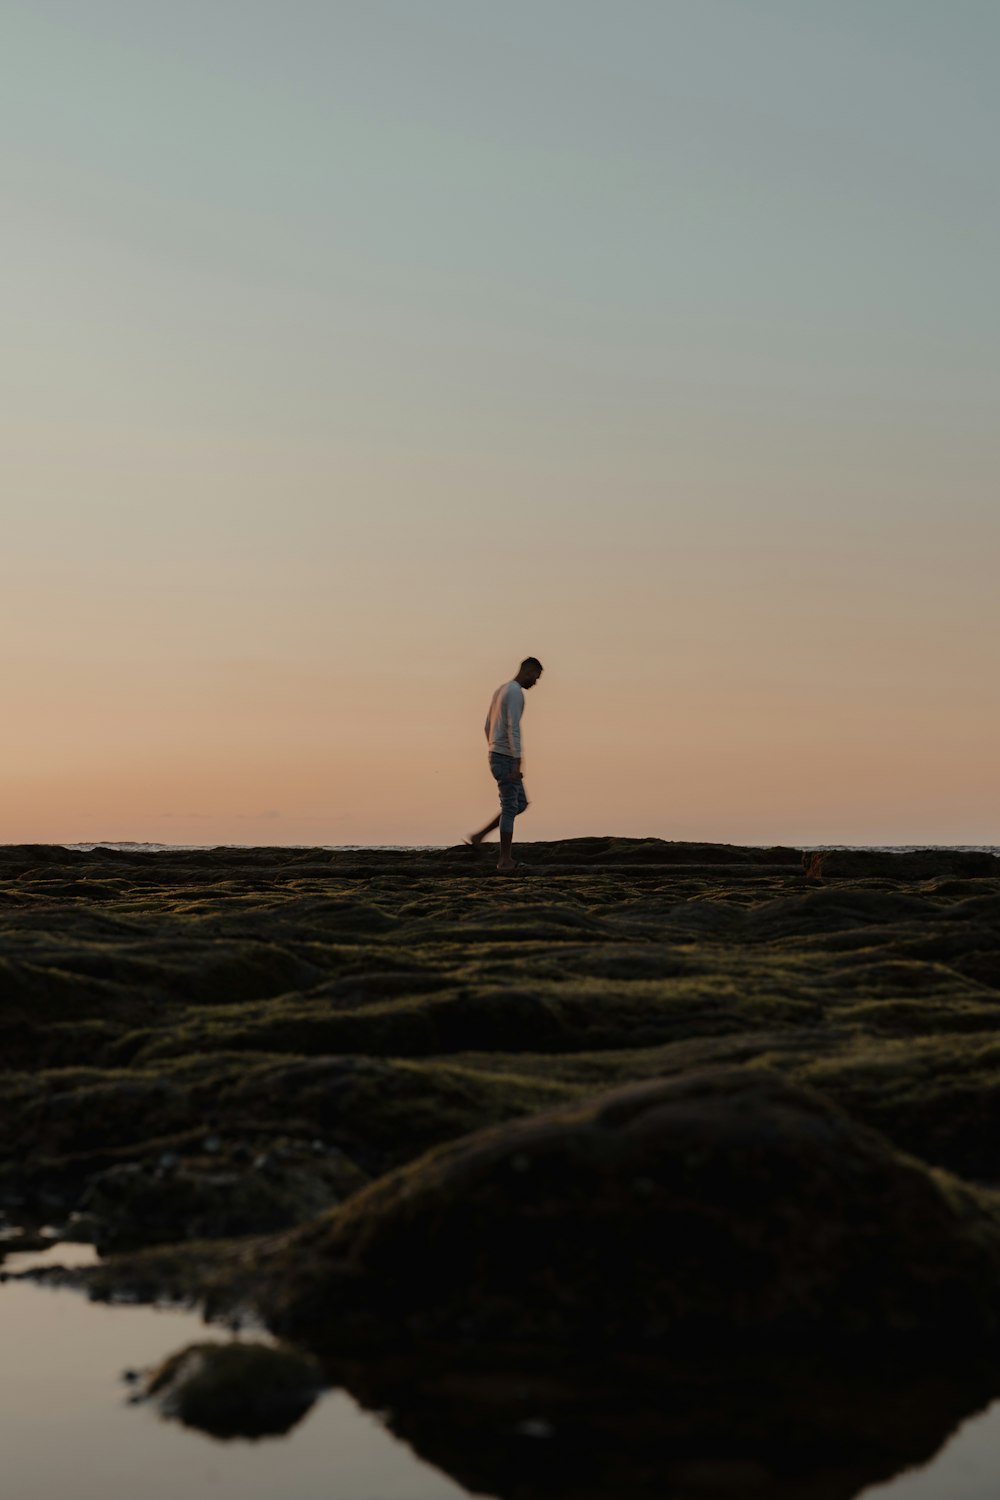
728,1205
236,1389
902,864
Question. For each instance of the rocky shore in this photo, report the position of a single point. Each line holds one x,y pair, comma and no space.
647,1100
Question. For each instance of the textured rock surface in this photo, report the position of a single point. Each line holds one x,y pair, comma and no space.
727,1204
222,1042
226,1041
131,1205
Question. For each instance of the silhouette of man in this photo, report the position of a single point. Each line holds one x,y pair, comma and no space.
503,736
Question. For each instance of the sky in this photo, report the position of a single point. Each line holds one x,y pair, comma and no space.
353,351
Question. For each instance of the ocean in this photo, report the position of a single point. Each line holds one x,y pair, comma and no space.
128,847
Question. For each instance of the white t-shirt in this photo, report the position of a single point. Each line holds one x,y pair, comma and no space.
503,722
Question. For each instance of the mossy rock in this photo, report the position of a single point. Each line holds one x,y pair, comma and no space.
236,1389
902,864
728,1204
133,1205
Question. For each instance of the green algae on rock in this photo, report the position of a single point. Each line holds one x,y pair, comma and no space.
131,1205
727,1205
697,1122
219,1042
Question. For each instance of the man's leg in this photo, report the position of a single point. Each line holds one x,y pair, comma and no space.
508,788
475,839
515,803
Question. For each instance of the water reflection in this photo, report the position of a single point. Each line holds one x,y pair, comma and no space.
966,1469
645,1432
68,1428
782,1431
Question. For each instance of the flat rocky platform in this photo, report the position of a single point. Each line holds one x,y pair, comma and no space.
210,1014
263,1029
216,1045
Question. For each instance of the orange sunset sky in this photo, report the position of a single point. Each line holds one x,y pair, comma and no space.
354,351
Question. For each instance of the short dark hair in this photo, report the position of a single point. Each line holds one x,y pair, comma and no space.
532,661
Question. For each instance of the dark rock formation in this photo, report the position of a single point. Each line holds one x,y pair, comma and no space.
221,1042
132,1205
728,1205
902,864
236,1389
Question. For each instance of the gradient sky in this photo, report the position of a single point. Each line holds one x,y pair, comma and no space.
354,350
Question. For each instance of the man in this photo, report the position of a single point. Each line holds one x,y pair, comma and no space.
503,736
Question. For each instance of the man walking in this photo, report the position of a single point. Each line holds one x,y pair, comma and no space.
503,735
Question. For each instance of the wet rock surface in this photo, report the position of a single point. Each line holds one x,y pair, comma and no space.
239,1389
690,1090
726,1205
201,1008
133,1204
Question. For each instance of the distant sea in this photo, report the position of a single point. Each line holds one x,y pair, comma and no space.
131,848
128,848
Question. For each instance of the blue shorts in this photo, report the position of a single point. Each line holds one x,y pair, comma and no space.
512,798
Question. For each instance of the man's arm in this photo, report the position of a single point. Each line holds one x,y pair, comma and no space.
514,705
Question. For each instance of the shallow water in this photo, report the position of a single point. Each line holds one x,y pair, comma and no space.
65,1253
68,1429
967,1467
68,1426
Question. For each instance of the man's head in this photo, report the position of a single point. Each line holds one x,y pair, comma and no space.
529,672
